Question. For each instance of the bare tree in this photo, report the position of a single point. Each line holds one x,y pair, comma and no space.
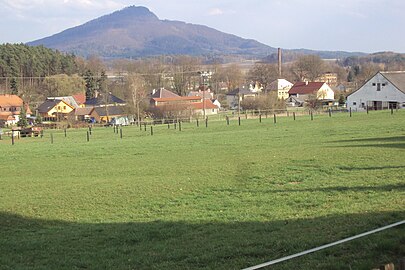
183,71
263,74
137,94
308,67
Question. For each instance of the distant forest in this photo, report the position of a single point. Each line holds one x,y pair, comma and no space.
19,60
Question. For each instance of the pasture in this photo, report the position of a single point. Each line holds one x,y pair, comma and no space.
222,197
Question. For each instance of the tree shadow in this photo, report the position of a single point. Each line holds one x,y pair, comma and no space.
384,142
31,243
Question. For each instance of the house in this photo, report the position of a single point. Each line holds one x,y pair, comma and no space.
166,100
210,108
281,87
102,100
303,91
77,101
238,95
82,114
330,78
207,94
10,109
107,114
293,101
383,91
54,110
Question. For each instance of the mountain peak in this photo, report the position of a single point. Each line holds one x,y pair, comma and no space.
136,12
137,32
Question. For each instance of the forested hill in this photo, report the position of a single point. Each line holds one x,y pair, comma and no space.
137,32
19,60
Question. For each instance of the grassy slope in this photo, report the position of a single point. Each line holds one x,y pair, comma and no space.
225,197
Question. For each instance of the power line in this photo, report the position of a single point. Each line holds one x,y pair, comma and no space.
324,246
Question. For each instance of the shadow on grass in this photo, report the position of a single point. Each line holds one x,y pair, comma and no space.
29,243
385,142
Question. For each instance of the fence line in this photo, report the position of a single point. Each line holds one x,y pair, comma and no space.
324,246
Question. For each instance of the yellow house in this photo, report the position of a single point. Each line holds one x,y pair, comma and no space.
54,110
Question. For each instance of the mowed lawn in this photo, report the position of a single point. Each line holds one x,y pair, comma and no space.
222,197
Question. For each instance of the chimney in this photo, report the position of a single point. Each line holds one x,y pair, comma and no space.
279,63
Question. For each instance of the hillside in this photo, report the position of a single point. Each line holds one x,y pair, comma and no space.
137,32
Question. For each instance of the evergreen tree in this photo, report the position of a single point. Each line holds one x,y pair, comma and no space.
90,83
14,86
23,122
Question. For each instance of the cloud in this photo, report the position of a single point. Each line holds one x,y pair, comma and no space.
216,12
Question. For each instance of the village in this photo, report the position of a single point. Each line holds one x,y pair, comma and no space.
385,90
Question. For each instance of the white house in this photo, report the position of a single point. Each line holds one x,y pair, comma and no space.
303,90
281,86
383,91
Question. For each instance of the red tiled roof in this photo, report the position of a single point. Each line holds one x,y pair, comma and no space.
10,101
208,105
80,98
176,99
6,116
305,88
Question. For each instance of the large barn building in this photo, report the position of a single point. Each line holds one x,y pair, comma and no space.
384,90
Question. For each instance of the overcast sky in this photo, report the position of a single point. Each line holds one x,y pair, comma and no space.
347,25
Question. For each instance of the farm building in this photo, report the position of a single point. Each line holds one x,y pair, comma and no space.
167,103
303,90
383,91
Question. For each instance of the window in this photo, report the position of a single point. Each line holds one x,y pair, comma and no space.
383,84
354,103
378,86
58,107
64,107
373,84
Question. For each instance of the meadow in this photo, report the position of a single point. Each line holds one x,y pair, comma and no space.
222,197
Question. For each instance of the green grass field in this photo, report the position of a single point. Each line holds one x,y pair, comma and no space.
222,197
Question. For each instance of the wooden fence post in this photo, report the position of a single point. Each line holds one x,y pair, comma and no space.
151,130
401,265
294,115
88,136
239,120
260,118
275,119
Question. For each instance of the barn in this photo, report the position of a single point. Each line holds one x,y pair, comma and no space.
385,90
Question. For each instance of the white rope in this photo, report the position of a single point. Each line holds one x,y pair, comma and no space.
324,246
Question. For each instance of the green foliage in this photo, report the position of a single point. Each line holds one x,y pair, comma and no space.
14,86
90,84
19,60
222,197
63,85
22,122
342,99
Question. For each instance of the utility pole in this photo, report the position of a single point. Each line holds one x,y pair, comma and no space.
239,102
203,74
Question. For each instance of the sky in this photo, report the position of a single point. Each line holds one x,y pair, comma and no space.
334,25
